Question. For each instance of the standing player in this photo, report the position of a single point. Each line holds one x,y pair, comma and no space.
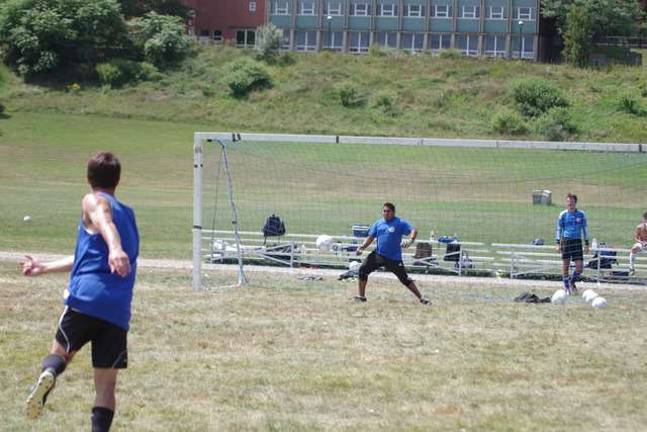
388,253
640,238
571,228
100,291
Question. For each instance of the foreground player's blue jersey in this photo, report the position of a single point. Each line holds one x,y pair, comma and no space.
571,226
389,235
93,289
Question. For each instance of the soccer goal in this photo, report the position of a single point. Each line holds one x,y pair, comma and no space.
482,192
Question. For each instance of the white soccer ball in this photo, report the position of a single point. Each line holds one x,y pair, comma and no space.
588,295
354,265
599,302
27,218
324,242
559,297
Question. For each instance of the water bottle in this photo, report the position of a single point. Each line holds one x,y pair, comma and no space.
594,244
432,236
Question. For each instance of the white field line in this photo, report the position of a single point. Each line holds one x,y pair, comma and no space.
334,273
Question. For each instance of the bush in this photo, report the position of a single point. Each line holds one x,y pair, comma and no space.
109,75
509,122
118,72
450,54
377,51
245,75
268,42
350,96
630,105
534,97
148,72
556,125
161,38
384,103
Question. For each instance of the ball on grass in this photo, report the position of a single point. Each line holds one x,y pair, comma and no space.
559,297
599,303
354,265
27,218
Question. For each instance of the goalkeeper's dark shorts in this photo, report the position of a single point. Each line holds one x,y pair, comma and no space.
572,249
374,261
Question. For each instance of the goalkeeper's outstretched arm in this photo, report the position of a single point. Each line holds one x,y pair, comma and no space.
366,244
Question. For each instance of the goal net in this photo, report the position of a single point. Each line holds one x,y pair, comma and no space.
478,191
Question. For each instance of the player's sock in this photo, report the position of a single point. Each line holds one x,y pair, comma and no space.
632,261
575,278
54,362
101,419
567,283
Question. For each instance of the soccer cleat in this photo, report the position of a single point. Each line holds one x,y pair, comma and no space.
360,299
573,289
38,395
425,301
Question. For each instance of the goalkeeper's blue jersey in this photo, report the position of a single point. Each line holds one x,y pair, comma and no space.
571,225
389,235
93,289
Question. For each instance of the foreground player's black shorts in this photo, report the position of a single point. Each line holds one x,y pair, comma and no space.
374,261
572,249
109,342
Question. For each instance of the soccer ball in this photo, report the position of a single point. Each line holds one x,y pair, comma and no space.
559,297
354,265
599,302
324,242
589,295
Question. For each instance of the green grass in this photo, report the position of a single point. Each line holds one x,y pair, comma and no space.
431,96
284,354
480,194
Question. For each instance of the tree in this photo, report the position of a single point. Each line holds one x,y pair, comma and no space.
608,17
161,38
578,36
138,8
268,42
39,36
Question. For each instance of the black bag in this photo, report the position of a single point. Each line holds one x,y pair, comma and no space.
423,250
606,257
453,252
274,227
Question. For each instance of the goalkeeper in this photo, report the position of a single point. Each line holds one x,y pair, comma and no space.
388,254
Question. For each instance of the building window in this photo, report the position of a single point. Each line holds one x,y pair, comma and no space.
285,40
413,42
252,6
522,47
414,11
205,33
307,7
524,13
441,11
333,40
245,38
306,40
360,9
439,42
496,12
468,45
333,8
387,10
281,7
470,12
386,39
358,42
494,46
217,36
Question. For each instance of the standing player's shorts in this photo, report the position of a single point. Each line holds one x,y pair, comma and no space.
374,261
109,342
640,246
572,249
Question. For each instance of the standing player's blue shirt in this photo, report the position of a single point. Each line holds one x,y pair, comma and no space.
389,235
93,289
571,226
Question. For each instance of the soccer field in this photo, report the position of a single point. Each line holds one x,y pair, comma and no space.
289,355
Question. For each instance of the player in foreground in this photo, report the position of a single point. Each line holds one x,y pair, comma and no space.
571,228
99,295
388,254
640,238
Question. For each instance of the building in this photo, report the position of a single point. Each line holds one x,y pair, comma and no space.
494,28
217,20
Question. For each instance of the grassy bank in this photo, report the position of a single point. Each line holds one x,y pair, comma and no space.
429,96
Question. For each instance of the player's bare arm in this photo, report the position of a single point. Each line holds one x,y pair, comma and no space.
366,244
97,215
412,238
33,267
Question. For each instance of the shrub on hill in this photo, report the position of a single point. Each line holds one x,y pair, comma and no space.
556,125
534,96
268,42
245,75
160,38
631,105
350,95
118,72
509,122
